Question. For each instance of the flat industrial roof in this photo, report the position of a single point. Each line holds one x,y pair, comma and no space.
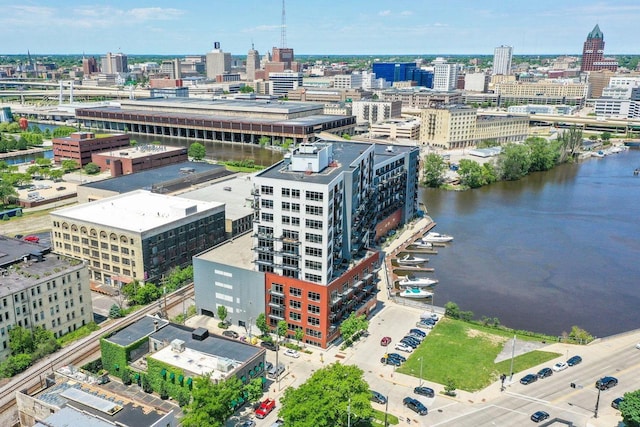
147,178
235,193
136,211
236,252
140,150
137,330
214,345
240,105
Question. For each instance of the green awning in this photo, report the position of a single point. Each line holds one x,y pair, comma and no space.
163,373
172,375
264,380
137,377
116,367
189,381
243,379
180,378
233,402
251,373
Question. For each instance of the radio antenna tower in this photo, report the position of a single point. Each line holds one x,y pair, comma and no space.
283,29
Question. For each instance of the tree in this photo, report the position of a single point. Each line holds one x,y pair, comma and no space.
630,408
15,364
346,136
580,335
327,398
288,142
56,174
69,165
115,312
450,387
299,335
434,169
222,313
544,155
281,329
514,161
261,324
593,137
570,141
470,173
489,173
352,325
197,151
605,136
212,403
91,168
21,340
246,89
6,190
254,390
452,310
264,141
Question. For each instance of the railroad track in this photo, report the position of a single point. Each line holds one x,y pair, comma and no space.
33,378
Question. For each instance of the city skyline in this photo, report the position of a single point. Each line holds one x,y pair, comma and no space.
457,27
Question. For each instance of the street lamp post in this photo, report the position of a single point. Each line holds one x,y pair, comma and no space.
386,411
595,414
513,353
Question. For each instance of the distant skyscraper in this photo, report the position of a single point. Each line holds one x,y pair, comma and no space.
502,60
593,53
218,62
285,55
253,63
114,63
172,68
445,75
89,65
394,71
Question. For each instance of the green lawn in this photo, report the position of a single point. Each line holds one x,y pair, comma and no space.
465,352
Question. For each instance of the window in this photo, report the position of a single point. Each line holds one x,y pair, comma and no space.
314,196
295,221
313,321
295,292
266,203
312,277
313,296
286,220
313,210
265,189
295,316
295,207
267,217
290,234
286,206
313,224
295,193
114,248
286,192
295,305
317,252
313,265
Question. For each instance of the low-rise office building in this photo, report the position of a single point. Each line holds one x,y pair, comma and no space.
396,129
138,235
38,288
128,160
420,97
375,111
79,146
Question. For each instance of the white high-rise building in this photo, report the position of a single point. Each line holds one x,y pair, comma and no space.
502,60
445,75
253,63
282,83
218,62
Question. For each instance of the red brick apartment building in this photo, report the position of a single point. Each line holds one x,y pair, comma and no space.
130,160
79,146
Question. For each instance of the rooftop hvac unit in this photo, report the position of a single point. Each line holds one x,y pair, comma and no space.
177,346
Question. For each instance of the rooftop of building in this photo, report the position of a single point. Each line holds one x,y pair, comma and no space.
87,404
136,211
237,252
493,117
137,330
344,154
88,136
24,264
310,120
235,192
208,105
142,150
153,177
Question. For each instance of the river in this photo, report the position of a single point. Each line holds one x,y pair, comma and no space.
550,251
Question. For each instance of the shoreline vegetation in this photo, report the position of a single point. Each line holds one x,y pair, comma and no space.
515,161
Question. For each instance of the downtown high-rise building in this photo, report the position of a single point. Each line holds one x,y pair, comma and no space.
593,53
502,60
218,62
445,75
114,63
253,63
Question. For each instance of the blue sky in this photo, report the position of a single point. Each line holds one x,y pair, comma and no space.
316,26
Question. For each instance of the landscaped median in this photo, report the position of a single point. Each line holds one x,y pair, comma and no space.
465,353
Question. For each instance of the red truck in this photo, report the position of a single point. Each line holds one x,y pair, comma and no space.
265,408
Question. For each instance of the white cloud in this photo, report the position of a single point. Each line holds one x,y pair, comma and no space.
384,13
262,28
406,13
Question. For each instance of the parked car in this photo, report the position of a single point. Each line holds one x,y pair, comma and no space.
428,321
605,383
278,423
275,372
415,405
560,366
545,372
420,338
424,391
539,416
268,366
615,404
230,334
638,346
265,408
397,356
424,325
378,397
574,360
386,360
32,239
418,332
269,345
403,347
385,341
292,353
410,343
412,339
528,379
247,423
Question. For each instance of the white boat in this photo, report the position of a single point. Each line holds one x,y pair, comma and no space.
415,293
411,260
434,237
413,281
423,244
597,154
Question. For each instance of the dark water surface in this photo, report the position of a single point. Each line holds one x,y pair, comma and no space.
555,249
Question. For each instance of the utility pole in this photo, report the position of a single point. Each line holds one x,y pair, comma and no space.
595,415
386,411
513,354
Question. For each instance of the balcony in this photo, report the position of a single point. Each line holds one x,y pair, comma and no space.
276,292
275,316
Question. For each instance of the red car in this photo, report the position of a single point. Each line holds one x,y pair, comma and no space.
385,341
265,408
32,239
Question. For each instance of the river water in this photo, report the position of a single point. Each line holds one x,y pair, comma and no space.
550,251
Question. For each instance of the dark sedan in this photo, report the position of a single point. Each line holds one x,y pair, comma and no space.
545,372
424,391
539,416
574,361
415,405
378,397
528,379
606,383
